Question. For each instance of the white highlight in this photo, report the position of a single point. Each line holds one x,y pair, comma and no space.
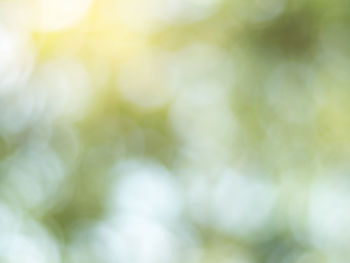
56,15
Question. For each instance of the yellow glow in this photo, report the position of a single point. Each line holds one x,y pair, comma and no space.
55,15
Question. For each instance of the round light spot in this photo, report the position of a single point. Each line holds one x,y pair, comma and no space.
17,59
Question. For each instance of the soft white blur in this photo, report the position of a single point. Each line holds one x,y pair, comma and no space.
166,131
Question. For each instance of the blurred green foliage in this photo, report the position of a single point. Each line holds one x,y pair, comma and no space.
233,114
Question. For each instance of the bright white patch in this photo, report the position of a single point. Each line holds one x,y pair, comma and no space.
147,189
126,239
16,61
242,204
329,213
28,242
9,224
53,15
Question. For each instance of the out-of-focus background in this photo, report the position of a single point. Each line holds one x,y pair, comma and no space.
174,131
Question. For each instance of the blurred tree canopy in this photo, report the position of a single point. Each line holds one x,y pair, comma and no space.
174,131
